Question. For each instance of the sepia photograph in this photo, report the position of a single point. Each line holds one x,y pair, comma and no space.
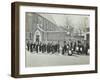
53,39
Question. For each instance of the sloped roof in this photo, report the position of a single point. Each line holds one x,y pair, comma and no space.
48,17
51,19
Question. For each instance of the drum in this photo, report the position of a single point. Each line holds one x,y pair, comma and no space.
77,48
70,52
81,49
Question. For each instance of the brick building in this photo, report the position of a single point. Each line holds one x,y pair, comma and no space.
40,28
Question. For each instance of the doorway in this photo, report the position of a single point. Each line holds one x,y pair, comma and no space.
37,36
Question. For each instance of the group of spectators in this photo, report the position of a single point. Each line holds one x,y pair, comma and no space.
69,48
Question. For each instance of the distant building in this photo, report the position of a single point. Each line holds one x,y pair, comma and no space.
39,28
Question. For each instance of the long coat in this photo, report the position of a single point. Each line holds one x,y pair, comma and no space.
64,49
37,48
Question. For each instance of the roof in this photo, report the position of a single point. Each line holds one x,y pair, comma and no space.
58,29
52,28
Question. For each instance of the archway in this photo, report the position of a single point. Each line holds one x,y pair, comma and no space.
37,36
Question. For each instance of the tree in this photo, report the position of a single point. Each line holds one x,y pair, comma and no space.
69,26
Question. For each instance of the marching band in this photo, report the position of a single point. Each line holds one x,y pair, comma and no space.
69,48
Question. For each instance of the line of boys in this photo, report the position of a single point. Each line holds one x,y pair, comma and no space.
43,47
70,48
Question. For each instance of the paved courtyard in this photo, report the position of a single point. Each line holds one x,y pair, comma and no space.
44,59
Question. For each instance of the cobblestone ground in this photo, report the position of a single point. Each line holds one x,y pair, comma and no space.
44,59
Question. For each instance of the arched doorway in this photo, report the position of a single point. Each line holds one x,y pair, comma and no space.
37,36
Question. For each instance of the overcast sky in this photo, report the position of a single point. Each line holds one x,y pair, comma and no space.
73,20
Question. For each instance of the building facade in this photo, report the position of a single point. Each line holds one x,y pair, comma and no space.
39,28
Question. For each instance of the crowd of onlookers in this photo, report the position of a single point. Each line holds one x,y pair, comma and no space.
76,47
